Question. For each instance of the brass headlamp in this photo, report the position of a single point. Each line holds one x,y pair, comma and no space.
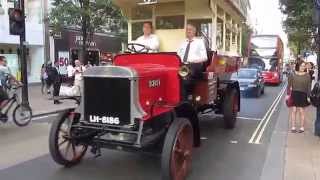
184,71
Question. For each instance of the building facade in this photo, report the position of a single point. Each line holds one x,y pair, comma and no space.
66,46
9,44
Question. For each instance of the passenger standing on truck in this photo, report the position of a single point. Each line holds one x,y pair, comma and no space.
193,52
300,85
148,39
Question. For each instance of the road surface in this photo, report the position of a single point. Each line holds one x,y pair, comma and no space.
237,154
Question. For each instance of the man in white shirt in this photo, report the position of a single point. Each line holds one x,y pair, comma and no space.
194,53
151,41
70,72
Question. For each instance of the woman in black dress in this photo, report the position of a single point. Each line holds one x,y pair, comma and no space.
300,87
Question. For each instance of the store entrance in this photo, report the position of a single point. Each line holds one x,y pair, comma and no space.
93,56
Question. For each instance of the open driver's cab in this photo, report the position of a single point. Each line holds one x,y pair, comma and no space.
220,21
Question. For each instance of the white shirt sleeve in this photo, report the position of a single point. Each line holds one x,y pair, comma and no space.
202,50
154,43
151,42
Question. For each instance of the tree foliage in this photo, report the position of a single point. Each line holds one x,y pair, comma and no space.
89,16
299,24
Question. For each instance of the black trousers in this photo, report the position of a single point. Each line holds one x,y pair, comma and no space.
187,85
56,88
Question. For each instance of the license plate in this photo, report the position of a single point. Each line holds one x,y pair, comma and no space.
241,88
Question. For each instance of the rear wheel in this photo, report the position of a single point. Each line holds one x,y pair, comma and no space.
258,92
230,108
64,149
22,115
177,150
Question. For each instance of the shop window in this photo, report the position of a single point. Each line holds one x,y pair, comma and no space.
141,12
220,35
170,22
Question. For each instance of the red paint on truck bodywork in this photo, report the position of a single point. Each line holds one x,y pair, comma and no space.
154,67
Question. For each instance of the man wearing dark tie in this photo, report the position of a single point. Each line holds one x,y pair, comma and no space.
193,52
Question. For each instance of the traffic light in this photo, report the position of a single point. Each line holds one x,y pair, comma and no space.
16,21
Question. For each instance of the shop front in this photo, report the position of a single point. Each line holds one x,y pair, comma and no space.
67,48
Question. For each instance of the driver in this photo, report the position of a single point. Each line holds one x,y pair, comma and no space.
151,41
193,52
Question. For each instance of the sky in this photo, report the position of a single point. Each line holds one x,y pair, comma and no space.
267,18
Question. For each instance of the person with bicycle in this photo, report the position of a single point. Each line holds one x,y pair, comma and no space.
5,78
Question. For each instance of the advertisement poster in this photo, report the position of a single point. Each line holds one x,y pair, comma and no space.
63,57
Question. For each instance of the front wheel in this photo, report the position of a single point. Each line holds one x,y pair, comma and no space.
177,150
22,115
63,147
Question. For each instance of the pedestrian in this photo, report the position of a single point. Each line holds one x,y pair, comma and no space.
299,84
78,72
49,80
55,79
43,78
310,70
70,73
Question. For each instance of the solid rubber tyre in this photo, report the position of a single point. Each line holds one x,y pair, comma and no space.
15,115
177,150
230,108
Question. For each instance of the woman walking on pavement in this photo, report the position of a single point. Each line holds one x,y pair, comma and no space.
299,84
43,78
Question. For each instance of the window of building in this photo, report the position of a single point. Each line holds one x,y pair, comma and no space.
34,11
170,22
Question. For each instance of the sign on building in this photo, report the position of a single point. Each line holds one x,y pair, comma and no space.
63,58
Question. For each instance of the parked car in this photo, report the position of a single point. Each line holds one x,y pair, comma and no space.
251,81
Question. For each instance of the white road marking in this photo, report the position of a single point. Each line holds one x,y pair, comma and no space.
249,118
267,114
43,117
268,120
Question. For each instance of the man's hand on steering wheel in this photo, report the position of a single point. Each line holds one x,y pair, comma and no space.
138,48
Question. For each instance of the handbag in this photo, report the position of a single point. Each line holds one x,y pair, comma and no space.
289,101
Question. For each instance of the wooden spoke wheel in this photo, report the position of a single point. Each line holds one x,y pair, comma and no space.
177,150
64,149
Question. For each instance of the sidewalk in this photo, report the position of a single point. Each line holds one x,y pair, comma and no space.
40,104
302,159
292,156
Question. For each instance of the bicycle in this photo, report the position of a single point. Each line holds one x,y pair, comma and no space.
22,115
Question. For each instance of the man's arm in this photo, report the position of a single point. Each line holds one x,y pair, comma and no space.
203,56
154,44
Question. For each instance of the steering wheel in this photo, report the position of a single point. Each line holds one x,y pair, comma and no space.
137,48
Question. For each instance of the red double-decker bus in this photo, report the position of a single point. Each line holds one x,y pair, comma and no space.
266,52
